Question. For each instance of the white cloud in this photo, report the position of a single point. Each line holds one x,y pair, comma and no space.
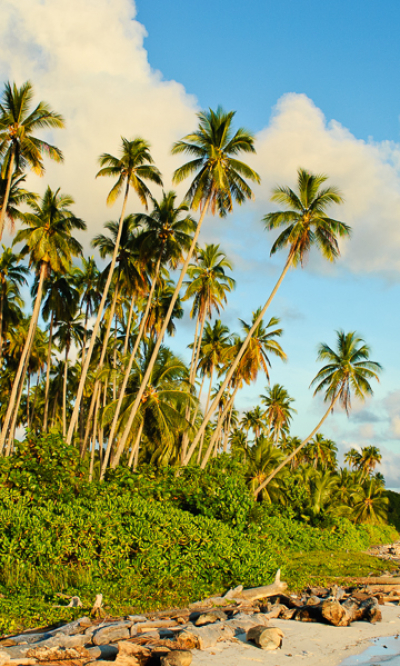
366,172
87,60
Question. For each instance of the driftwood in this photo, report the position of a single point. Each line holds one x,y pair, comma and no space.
177,658
272,590
266,638
205,637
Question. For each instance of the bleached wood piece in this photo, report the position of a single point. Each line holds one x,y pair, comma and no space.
265,591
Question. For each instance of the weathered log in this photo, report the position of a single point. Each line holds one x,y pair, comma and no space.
103,652
204,637
128,652
275,588
329,611
275,611
374,580
61,641
366,609
241,623
266,638
46,654
111,634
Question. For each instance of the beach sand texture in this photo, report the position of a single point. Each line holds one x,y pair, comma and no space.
305,644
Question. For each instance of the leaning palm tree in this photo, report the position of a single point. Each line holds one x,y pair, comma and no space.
348,369
370,457
306,223
18,124
132,169
50,246
219,181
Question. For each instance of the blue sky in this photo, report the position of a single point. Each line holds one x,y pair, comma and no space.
317,83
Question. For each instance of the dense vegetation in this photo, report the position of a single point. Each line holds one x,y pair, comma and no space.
134,473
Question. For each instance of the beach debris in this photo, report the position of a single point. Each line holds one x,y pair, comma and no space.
166,638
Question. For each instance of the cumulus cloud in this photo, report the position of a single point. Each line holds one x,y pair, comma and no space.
88,61
367,173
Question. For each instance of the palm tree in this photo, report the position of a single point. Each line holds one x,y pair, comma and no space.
61,300
370,504
348,368
322,451
306,224
256,358
20,148
17,196
254,420
279,412
219,180
262,458
370,457
208,286
86,280
352,457
12,277
70,331
50,246
160,412
132,169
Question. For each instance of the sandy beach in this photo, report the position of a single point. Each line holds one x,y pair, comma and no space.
305,643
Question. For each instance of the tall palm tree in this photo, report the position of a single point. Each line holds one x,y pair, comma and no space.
306,224
60,301
12,277
208,286
262,458
86,280
18,124
370,505
254,420
348,369
219,181
132,169
50,247
279,412
322,451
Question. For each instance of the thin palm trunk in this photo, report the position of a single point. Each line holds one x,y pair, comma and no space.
157,345
75,413
236,362
1,323
53,413
185,437
64,414
228,427
296,451
200,340
128,327
101,430
99,367
28,390
135,447
6,194
13,425
46,392
129,368
36,393
207,404
93,451
217,432
84,341
22,368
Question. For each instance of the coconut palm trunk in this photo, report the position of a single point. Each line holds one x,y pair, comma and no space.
217,432
135,449
6,194
128,327
160,338
128,370
65,390
93,449
23,364
296,451
206,410
75,413
236,362
48,367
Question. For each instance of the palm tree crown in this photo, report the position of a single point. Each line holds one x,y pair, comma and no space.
220,176
306,220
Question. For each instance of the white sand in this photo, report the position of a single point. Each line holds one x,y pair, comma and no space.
305,643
